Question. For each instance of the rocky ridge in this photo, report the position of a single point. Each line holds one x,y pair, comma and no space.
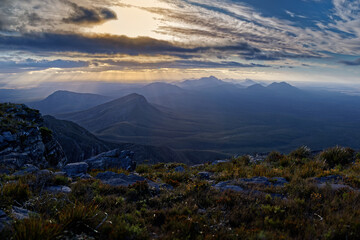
24,139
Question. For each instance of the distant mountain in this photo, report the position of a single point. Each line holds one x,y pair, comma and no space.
204,82
65,101
282,87
248,82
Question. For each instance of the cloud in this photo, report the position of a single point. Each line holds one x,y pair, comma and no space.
182,64
83,15
31,65
351,63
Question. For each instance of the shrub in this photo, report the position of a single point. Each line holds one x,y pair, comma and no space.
46,134
274,157
16,191
338,156
301,152
36,228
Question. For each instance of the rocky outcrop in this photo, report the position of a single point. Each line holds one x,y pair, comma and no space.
113,159
24,140
115,180
76,169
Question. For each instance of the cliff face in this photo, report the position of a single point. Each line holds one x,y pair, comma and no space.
24,139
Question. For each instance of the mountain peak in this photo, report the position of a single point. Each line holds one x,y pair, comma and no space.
133,97
281,85
256,86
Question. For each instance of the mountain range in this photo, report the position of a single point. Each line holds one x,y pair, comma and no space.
212,116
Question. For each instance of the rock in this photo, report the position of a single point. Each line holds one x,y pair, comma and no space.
85,176
8,137
334,186
4,220
44,172
330,179
227,185
113,159
204,175
179,169
60,174
75,169
219,161
276,181
25,144
29,168
58,189
121,179
20,213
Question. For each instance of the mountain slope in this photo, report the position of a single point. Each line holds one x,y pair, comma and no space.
65,101
79,144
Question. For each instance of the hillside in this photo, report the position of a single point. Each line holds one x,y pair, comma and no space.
295,196
79,144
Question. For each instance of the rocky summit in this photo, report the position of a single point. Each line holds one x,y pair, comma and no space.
24,139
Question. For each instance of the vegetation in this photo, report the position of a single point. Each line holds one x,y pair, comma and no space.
193,208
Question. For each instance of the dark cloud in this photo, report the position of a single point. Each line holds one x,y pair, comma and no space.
182,64
83,15
31,65
351,63
108,44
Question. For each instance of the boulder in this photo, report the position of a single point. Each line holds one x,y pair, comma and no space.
113,159
76,169
8,136
20,213
58,189
228,185
179,169
115,179
28,169
219,161
4,220
276,181
204,175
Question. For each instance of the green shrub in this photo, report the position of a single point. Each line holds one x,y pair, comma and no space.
46,134
274,157
338,156
35,229
301,152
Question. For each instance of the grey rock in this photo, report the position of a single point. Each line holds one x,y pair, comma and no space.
4,220
28,169
279,181
20,213
204,175
179,169
2,139
334,186
219,161
58,189
330,179
113,159
276,181
44,172
8,136
75,169
228,185
121,179
59,173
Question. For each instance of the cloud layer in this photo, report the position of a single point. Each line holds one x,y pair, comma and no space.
213,34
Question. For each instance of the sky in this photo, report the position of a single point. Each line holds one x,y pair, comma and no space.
131,41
